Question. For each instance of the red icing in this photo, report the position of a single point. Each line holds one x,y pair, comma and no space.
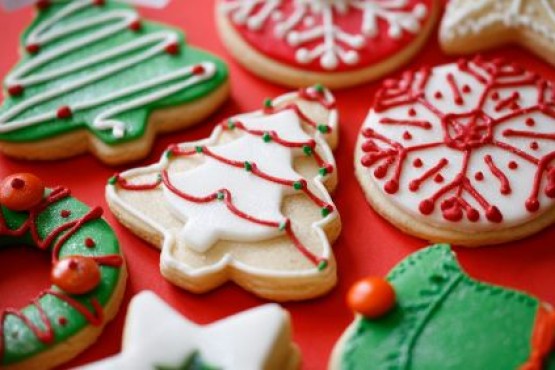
64,112
15,90
198,69
33,48
542,340
54,240
172,49
135,25
43,4
375,49
226,196
463,132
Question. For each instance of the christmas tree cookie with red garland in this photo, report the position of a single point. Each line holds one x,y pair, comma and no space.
95,76
339,43
429,314
88,274
248,204
462,153
469,27
157,337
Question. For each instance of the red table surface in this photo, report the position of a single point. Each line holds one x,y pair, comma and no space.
368,245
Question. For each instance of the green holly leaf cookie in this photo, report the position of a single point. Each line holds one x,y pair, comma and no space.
94,75
443,319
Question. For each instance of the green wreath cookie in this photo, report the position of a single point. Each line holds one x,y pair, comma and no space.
88,274
429,314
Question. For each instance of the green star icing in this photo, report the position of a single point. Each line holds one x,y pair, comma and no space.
444,320
135,120
192,362
26,344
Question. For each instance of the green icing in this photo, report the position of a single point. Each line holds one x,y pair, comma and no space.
135,120
20,342
444,320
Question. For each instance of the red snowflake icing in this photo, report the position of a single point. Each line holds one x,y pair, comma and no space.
472,103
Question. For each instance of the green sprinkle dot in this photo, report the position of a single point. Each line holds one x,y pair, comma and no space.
266,137
220,195
297,185
248,166
323,129
325,211
198,149
282,225
323,171
319,88
159,177
112,180
230,124
307,150
267,103
168,154
322,265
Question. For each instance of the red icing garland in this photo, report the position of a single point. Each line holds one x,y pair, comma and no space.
46,334
463,132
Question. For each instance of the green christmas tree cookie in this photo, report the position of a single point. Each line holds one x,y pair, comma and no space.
95,76
429,315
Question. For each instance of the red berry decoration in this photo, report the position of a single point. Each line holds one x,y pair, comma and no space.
21,192
76,274
372,297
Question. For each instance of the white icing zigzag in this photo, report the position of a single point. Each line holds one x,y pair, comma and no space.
107,24
465,17
336,45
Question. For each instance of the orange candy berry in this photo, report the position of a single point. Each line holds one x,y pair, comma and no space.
371,297
76,274
21,191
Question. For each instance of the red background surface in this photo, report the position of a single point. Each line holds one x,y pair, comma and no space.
367,245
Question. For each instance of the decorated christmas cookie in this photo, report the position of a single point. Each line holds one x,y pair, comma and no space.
439,318
248,204
337,42
88,274
462,153
471,26
157,337
94,76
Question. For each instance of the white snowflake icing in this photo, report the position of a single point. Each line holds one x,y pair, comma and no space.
300,27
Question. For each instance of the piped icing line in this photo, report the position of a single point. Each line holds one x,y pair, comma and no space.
312,31
316,94
465,130
158,43
55,240
543,338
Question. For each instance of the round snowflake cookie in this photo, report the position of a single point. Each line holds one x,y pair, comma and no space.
336,42
88,274
462,152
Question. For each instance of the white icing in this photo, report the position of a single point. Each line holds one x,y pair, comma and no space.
108,23
207,223
512,206
283,168
157,335
335,44
464,17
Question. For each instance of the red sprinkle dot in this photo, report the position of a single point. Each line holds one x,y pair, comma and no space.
472,215
530,121
89,243
513,165
99,2
412,112
532,204
438,178
417,163
495,96
17,183
33,48
198,69
391,186
466,89
407,135
136,25
479,176
62,321
438,95
515,106
15,90
64,112
329,168
43,4
65,213
172,49
534,145
459,100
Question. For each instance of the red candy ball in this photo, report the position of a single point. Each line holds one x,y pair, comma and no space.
76,274
21,191
372,297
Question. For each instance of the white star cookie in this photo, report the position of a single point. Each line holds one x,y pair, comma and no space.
470,26
158,337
